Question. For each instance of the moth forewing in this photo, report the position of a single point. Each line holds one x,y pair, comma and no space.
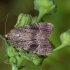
33,38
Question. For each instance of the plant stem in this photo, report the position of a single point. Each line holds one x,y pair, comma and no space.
59,47
41,14
14,67
19,63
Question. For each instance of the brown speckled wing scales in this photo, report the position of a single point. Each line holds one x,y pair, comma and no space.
33,38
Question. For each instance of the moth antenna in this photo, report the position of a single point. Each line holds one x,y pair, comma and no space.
5,25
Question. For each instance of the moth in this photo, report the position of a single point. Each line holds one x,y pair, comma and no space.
33,38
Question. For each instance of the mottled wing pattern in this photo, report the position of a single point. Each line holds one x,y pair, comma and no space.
33,38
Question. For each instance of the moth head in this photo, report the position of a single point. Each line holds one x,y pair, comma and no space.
6,36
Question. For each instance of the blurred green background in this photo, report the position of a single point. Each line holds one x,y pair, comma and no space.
59,60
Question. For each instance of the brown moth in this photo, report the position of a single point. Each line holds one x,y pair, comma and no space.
33,38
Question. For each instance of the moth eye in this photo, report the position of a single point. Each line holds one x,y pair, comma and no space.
33,46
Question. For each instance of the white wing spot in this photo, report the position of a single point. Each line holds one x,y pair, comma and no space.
17,35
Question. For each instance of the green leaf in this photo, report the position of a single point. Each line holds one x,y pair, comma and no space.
11,51
23,19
